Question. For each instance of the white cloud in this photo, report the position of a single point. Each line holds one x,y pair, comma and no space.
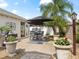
14,11
45,1
3,4
16,3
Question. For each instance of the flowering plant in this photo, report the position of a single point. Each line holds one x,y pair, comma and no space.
62,41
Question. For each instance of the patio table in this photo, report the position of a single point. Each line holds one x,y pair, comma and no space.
37,35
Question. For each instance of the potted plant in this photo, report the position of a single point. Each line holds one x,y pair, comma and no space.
1,37
62,46
3,30
11,45
1,40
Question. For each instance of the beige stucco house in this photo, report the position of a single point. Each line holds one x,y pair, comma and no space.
20,25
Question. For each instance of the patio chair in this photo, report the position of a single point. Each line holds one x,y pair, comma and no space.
36,55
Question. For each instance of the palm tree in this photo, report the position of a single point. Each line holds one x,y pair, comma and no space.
57,10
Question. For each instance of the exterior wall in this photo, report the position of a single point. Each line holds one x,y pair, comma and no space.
27,30
45,29
48,30
5,19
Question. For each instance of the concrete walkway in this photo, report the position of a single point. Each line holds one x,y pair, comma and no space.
25,45
30,46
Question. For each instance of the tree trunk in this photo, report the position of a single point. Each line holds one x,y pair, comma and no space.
54,29
61,32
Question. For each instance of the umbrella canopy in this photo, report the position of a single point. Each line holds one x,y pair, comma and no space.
38,20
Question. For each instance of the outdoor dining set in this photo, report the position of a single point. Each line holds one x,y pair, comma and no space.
36,34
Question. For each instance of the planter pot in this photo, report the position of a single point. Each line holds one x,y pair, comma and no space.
1,41
11,48
63,52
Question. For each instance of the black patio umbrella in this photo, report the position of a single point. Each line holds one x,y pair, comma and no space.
38,20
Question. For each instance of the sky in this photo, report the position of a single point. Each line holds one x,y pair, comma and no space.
30,8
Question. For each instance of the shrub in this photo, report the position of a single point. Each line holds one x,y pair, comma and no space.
62,41
11,38
77,39
5,29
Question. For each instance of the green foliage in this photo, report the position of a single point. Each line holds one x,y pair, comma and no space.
62,34
77,39
57,11
1,36
62,41
5,28
11,38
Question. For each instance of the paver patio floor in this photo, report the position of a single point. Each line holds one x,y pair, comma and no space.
25,45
